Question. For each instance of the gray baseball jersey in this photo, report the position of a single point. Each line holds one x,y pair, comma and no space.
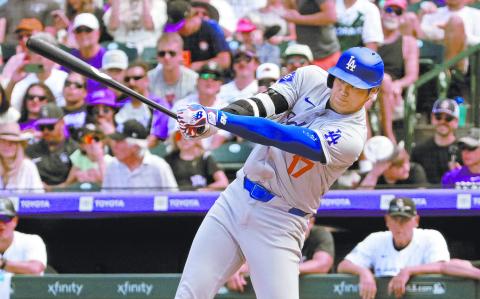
302,182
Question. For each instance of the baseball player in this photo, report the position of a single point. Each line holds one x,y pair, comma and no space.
310,127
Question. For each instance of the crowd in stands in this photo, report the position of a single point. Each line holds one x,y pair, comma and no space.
178,52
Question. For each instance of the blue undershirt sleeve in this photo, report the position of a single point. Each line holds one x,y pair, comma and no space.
296,140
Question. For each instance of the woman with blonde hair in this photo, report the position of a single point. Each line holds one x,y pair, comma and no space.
17,172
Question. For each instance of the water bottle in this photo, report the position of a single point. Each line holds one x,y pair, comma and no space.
462,119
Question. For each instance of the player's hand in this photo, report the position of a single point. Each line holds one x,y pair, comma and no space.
195,120
397,284
368,287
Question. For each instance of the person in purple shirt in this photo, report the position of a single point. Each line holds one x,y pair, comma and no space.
467,176
86,29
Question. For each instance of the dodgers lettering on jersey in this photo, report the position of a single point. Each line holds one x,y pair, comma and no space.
294,178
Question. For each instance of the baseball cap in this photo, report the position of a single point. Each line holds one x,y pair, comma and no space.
299,49
472,139
7,209
29,24
271,31
268,71
398,3
177,12
381,149
101,97
130,129
49,114
86,19
447,106
402,206
211,68
245,26
114,59
12,132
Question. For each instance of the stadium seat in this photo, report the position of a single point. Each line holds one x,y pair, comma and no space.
130,50
231,156
160,150
149,55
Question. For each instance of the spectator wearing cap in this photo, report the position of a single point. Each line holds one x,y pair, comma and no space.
400,56
438,154
297,55
267,74
25,29
37,69
114,64
467,176
17,172
456,26
133,166
89,161
86,29
393,171
75,109
136,22
101,110
209,83
21,253
51,153
358,24
402,252
314,23
13,11
209,10
246,35
244,84
170,79
202,42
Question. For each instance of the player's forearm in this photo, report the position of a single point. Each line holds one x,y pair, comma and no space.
295,140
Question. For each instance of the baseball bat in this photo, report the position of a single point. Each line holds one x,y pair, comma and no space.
69,61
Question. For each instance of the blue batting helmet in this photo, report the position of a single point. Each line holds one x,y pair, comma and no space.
360,67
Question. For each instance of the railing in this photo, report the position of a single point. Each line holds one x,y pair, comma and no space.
411,98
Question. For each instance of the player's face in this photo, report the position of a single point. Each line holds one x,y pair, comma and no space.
347,99
401,228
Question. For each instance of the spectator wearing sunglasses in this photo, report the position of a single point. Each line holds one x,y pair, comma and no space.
101,110
400,55
17,172
75,110
89,161
51,153
36,96
297,55
170,79
394,171
202,41
20,253
244,84
467,176
438,154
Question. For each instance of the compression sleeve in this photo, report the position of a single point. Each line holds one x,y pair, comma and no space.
295,140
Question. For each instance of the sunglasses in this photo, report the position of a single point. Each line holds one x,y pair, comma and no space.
6,219
465,147
101,110
74,84
241,58
83,29
31,97
90,139
162,53
396,10
49,127
206,76
300,61
446,117
135,78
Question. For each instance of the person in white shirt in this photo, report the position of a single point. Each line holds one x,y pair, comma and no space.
454,25
17,172
402,251
134,167
20,253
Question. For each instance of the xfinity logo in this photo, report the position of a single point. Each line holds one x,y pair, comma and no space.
134,288
62,288
343,287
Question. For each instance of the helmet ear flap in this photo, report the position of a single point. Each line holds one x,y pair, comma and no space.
330,80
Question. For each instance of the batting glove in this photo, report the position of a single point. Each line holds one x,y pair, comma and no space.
195,121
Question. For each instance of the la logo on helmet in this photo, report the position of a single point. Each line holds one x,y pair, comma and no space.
351,65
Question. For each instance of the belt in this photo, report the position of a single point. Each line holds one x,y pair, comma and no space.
260,193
